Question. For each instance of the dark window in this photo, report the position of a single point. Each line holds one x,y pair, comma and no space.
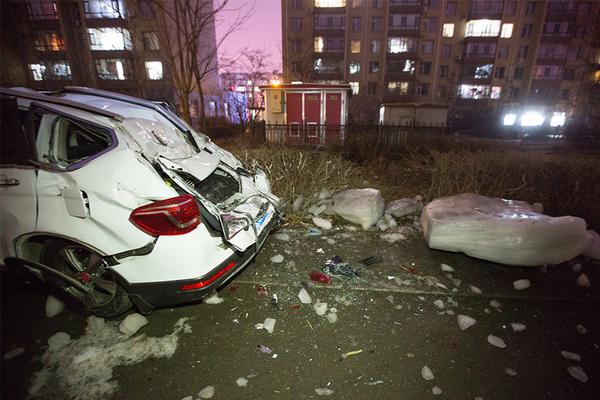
371,87
404,21
423,88
530,9
518,73
442,90
377,3
526,30
296,4
356,24
514,92
499,73
522,52
147,9
446,50
584,8
41,9
330,21
297,67
425,68
569,74
376,24
427,46
502,52
511,8
564,94
296,24
431,3
373,66
296,46
150,40
451,8
444,70
430,24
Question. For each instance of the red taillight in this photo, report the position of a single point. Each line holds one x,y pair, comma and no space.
206,282
174,216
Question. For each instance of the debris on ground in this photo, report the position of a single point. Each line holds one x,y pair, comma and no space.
496,341
518,327
503,231
352,353
207,393
275,301
510,372
264,349
465,322
277,259
284,237
322,223
304,297
583,280
59,339
436,391
496,304
402,207
439,303
213,299
13,353
521,284
593,250
53,306
338,269
578,373
320,308
570,356
426,373
317,276
581,329
269,324
446,268
297,205
323,392
475,289
132,323
332,317
312,231
359,206
241,382
392,237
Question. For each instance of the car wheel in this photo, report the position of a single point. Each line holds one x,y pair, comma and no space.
99,293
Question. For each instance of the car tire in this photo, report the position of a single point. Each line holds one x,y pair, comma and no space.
106,298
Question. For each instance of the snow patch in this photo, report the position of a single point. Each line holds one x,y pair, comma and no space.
446,268
518,327
213,299
242,382
402,207
392,237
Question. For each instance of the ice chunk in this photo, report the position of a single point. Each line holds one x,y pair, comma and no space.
426,373
475,289
58,340
403,207
14,353
323,392
518,327
53,306
325,194
464,321
359,206
304,296
581,329
269,324
132,323
95,324
242,382
521,284
207,393
439,303
593,250
510,372
571,356
320,308
436,390
578,373
576,268
277,259
504,231
496,304
390,298
213,299
297,205
496,341
322,223
392,237
583,280
332,318
284,237
446,268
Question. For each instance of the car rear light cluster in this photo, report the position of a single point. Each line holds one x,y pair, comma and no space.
174,216
206,282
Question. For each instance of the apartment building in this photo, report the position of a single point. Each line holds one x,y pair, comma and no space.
498,53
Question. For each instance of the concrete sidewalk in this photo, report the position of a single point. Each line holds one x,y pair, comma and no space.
397,327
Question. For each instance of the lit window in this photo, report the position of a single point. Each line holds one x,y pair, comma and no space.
483,71
448,30
558,119
398,87
109,39
104,8
483,28
506,31
51,70
154,70
330,3
49,41
400,44
38,71
355,46
354,67
477,92
318,44
112,69
355,87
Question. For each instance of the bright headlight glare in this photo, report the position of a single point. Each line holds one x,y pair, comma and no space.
532,118
510,119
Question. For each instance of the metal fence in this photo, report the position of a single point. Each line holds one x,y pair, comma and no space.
337,135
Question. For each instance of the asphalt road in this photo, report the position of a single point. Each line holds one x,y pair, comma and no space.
388,313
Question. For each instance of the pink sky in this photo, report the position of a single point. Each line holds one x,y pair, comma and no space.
261,31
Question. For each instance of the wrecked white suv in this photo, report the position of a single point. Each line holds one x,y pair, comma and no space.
115,200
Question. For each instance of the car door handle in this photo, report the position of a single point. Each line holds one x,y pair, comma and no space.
9,182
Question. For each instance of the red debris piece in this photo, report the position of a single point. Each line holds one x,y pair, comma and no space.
320,277
296,306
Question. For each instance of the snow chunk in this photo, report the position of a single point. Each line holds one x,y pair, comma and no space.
241,382
284,237
14,353
583,280
132,323
475,289
297,205
426,373
269,324
402,207
593,250
496,341
436,390
359,206
504,231
332,318
581,329
322,223
82,368
53,306
496,304
446,268
576,268
464,321
510,372
392,237
571,356
304,297
320,308
518,327
207,393
213,299
578,373
323,392
277,259
521,284
58,340
439,304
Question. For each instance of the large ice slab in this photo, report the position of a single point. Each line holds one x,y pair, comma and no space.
359,206
504,231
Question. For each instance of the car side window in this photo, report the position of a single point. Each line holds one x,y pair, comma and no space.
64,142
